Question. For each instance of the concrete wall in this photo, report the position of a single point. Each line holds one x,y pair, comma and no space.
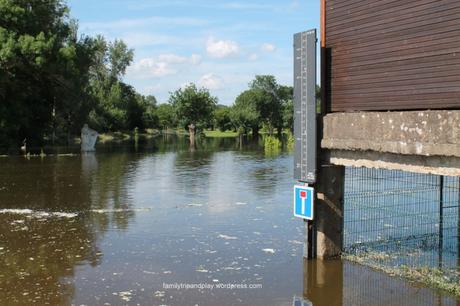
417,141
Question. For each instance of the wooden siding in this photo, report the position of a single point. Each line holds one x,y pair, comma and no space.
393,54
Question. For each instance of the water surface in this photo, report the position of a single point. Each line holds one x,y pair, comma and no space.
129,224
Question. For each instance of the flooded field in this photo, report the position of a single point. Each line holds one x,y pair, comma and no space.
153,223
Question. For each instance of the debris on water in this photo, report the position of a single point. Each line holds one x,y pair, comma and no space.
37,214
202,270
227,237
105,211
269,251
195,205
124,295
159,294
167,272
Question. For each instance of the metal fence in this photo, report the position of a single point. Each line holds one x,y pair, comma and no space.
403,218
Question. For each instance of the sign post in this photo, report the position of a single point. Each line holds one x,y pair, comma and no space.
305,106
305,156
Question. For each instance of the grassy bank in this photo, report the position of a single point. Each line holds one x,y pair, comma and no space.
220,134
445,280
123,136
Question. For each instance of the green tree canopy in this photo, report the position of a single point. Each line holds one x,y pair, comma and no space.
222,118
43,69
245,112
193,106
269,102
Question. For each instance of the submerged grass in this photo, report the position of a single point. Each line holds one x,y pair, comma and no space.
447,280
272,145
220,134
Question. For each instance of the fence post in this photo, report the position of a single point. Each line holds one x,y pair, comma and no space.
441,220
329,211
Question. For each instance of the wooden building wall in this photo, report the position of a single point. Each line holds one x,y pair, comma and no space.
393,54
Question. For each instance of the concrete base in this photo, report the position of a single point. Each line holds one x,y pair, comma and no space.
423,133
329,212
438,165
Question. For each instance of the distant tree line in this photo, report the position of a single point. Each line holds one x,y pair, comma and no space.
265,104
53,80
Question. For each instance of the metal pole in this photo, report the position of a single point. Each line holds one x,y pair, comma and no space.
441,219
458,226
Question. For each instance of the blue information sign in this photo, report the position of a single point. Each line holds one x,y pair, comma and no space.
303,202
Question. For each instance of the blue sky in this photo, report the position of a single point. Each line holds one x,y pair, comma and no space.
217,44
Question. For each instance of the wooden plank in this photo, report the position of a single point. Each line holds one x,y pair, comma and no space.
397,51
393,55
398,74
381,26
418,64
364,15
351,50
394,82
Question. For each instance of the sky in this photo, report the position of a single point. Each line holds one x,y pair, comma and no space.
220,44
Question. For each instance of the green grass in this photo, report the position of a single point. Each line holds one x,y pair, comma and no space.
445,280
220,134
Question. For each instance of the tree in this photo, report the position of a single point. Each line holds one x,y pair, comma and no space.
166,117
43,69
269,103
286,94
150,116
245,113
222,118
119,57
117,105
193,107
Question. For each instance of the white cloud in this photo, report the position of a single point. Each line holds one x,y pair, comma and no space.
210,81
222,48
149,67
268,47
160,66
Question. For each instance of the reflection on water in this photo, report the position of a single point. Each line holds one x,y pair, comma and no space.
117,226
337,283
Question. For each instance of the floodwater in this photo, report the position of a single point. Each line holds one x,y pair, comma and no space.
154,223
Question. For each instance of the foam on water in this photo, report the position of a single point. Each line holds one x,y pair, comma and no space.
38,213
105,211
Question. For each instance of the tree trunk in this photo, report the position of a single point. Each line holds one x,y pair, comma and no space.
279,131
192,131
